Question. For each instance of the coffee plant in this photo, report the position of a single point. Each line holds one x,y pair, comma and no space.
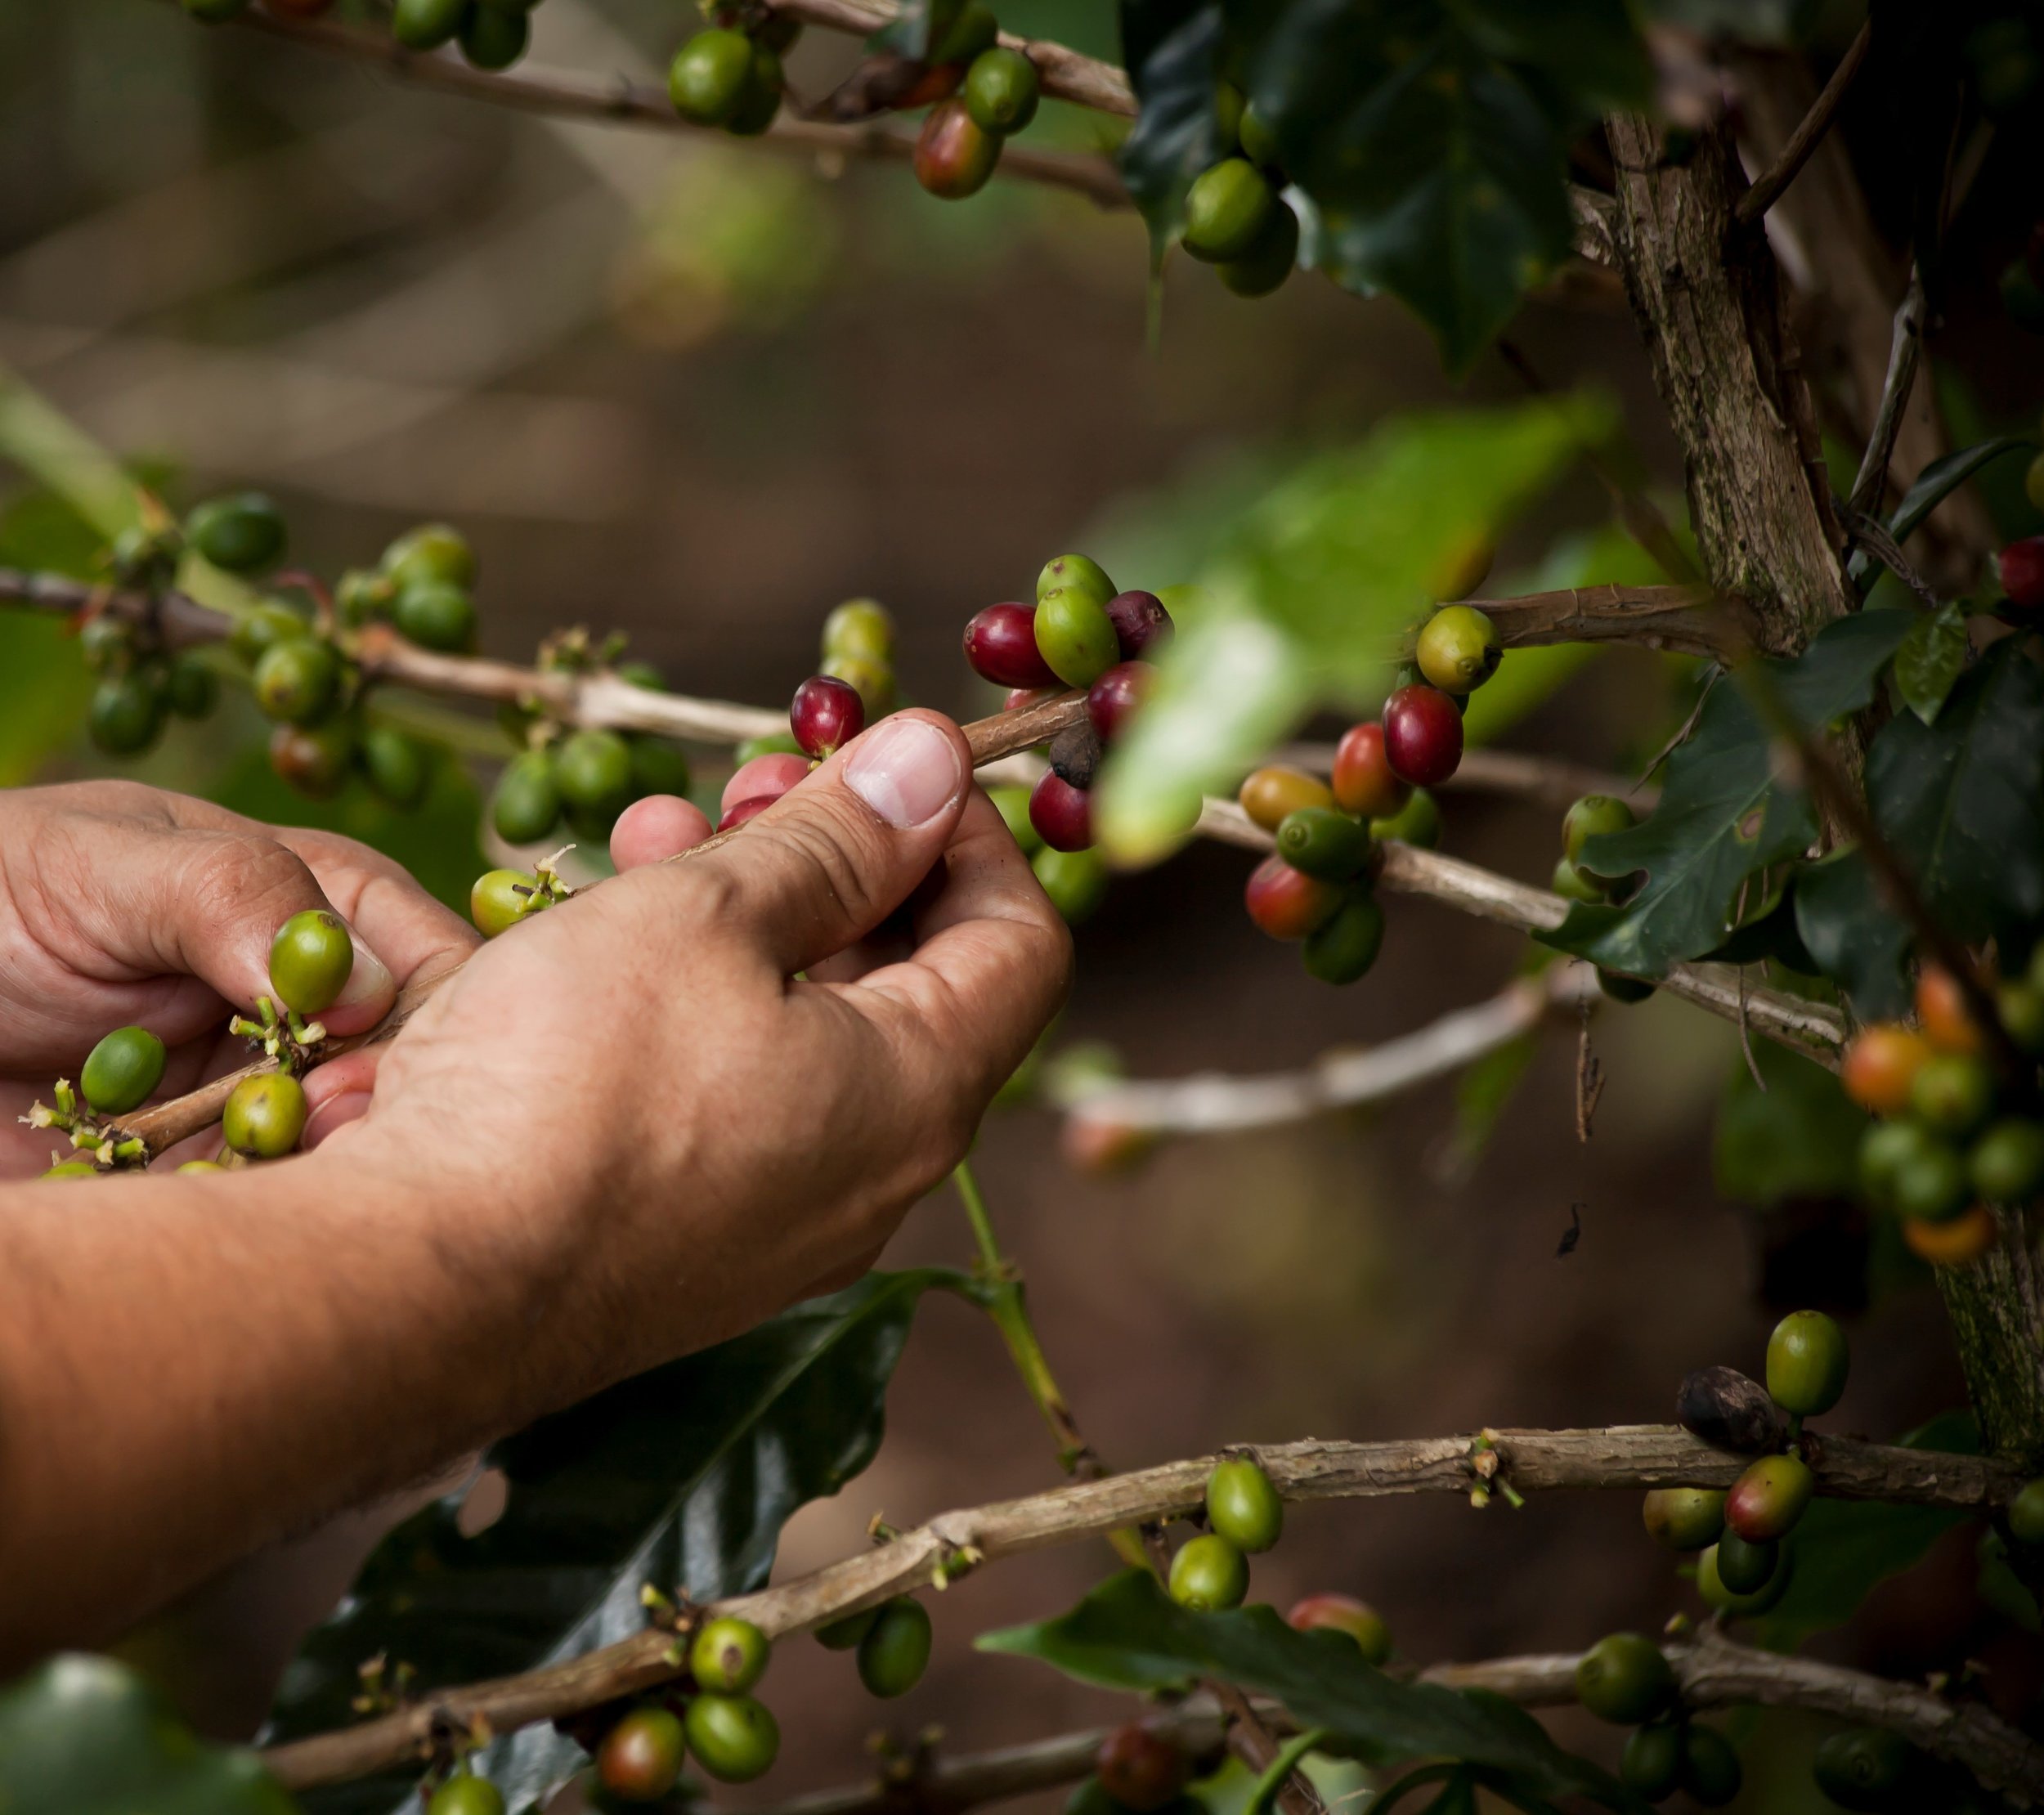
1840,851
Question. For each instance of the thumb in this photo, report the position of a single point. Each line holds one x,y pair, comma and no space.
835,855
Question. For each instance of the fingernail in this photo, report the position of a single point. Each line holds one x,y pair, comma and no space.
370,980
906,770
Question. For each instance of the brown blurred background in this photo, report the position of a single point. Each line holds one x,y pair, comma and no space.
701,393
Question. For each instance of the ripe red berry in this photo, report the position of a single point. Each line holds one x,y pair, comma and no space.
1115,695
1141,1769
954,154
1062,814
1423,735
1288,903
2022,565
1001,646
765,777
740,812
1364,784
826,715
1138,618
1021,697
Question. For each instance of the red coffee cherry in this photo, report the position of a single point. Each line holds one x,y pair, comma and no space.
1138,618
1364,784
1140,1769
1422,736
1018,697
1115,695
1288,903
2022,565
641,1756
1001,646
740,812
765,777
826,715
1062,814
954,154
1344,1613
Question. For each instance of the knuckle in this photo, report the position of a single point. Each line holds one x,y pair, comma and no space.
246,870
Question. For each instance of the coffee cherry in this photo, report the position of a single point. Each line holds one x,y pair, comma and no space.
1422,736
501,899
1001,90
71,1168
826,715
1684,1518
2026,1514
707,78
1710,1770
728,1656
1075,636
1721,1599
1625,1679
1958,1241
1076,881
1620,987
397,767
1651,1763
242,533
1881,1065
1725,1410
2021,1008
1572,884
1344,1613
1273,793
125,716
1288,903
265,1115
202,1166
1363,781
432,552
1323,843
107,645
1243,1506
314,760
1091,1798
1863,1768
1459,650
426,24
1953,1093
1271,257
1929,1183
466,1794
641,1756
122,1070
1139,619
1226,209
1112,700
1766,1502
955,155
1942,1014
1075,756
2021,569
310,960
1013,804
263,625
658,767
2006,1165
761,103
1062,814
190,687
1593,816
1001,647
1806,1363
896,1651
842,1635
593,769
776,743
862,627
1258,141
1745,1568
1069,572
974,29
1141,1769
1343,950
296,680
436,615
494,37
1209,1575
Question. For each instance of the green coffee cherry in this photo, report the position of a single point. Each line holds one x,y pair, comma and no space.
1651,1766
1572,883
432,552
435,614
1594,816
314,758
1076,881
727,1656
1323,842
360,596
190,687
1075,635
262,625
1073,572
122,1070
593,769
973,31
426,24
310,960
1953,1093
842,1635
2026,1514
1458,649
1271,257
265,1115
1416,823
494,37
1226,209
1001,90
1932,1186
1243,1506
1620,987
397,764
872,681
1684,1518
297,680
2006,1165
1806,1363
658,767
862,627
202,1166
242,534
107,645
1013,804
501,899
1746,1568
734,1738
1209,1575
1625,1679
71,1168
1258,142
761,100
466,1794
708,76
895,1650
526,805
1721,1599
1863,1768
774,743
1710,1769
125,716
2021,1008
1343,950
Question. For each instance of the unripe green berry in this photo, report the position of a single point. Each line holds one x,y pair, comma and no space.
526,805
1209,1575
426,24
1710,1768
466,1794
311,957
843,1635
1226,209
1721,1599
1416,823
727,1656
1458,649
1746,1568
435,614
1074,572
1076,881
296,679
734,1738
122,1070
1013,804
242,533
593,769
1075,636
501,899
1342,951
1625,1679
494,37
1651,1766
1684,1518
2006,1165
71,1168
1953,1092
895,1650
1259,143
1572,883
202,1166
1594,816
1002,89
265,1115
396,765
191,688
2026,1514
125,716
1323,842
1243,1506
860,627
658,767
262,625
1806,1361
1863,1768
1272,256
432,552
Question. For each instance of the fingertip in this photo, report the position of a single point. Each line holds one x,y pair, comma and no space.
336,1114
351,1074
660,826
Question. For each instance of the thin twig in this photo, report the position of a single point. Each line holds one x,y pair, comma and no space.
1768,186
1634,1457
1903,353
1690,619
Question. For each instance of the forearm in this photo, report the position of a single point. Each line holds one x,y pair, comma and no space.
192,1367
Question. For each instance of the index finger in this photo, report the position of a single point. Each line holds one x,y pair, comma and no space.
416,935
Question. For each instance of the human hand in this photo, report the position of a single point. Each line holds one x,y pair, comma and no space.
121,905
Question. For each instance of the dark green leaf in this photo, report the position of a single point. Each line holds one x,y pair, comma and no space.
1931,658
682,1477
1128,1634
2000,1588
1962,801
1840,1549
1172,50
1855,938
85,1736
43,682
1933,485
1798,1138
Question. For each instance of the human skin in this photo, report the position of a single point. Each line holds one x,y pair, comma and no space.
620,1133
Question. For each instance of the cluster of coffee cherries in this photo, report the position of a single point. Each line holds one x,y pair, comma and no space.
984,91
1626,1679
729,75
492,33
1237,218
1956,1137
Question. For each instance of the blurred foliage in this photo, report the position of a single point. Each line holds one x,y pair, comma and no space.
43,682
1794,1133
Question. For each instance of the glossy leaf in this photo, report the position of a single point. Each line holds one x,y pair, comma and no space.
1930,660
1855,938
1933,485
1729,809
1797,1138
682,1477
85,1736
1172,51
1128,1634
1961,801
